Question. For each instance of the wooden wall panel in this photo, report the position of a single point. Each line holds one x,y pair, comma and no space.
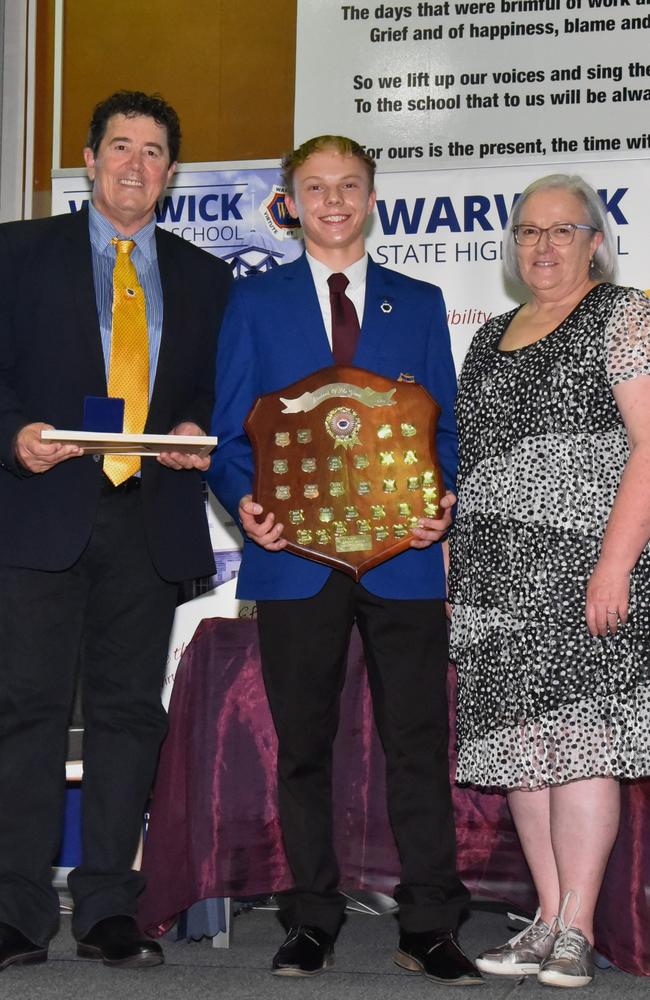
227,66
44,96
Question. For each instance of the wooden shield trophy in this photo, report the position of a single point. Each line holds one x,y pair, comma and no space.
346,460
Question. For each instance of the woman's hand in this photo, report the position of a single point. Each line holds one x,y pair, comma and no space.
608,595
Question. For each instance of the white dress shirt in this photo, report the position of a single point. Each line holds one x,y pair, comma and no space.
356,290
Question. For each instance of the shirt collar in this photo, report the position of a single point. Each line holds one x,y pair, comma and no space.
355,273
102,231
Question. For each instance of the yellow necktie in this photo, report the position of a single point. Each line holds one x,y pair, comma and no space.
128,376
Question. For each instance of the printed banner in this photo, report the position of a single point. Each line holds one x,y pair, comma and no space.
464,83
238,214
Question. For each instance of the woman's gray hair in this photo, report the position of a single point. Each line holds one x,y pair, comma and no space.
603,265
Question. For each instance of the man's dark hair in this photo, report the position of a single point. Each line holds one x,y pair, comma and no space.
321,144
132,103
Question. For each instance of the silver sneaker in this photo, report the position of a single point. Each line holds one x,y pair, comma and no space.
523,953
571,963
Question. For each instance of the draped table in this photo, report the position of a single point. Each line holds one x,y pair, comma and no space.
214,828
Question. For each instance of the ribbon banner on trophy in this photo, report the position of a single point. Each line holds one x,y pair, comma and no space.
346,460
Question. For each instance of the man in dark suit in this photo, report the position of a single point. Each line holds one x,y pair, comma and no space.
278,328
89,570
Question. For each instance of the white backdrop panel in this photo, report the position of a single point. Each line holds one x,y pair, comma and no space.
462,83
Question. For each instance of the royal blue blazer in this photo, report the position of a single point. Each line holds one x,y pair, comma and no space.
272,335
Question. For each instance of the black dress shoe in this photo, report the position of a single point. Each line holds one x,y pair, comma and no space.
306,952
16,949
438,956
117,941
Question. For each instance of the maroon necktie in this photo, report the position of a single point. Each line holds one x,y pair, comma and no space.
345,322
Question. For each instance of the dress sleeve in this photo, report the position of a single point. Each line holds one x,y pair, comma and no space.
627,337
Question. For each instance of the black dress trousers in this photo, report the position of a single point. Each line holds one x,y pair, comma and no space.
304,650
107,619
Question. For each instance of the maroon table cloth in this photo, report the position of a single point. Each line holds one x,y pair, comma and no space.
214,828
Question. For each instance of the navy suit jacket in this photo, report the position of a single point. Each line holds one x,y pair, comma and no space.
272,335
51,358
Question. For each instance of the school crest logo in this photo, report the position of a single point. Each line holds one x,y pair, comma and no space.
276,215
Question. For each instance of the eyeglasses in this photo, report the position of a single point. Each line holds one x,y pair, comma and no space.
560,235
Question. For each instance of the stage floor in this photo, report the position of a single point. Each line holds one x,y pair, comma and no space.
363,969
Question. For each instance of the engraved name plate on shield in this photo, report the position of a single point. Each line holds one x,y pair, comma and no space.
346,460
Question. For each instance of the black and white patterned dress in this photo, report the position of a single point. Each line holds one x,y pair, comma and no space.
543,446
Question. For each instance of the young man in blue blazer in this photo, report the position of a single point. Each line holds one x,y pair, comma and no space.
277,330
